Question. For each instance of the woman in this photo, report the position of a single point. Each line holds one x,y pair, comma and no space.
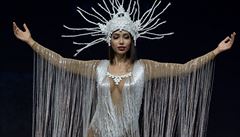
121,100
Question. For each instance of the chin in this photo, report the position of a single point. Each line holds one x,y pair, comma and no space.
121,52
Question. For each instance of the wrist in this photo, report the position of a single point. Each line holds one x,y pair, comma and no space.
216,51
30,42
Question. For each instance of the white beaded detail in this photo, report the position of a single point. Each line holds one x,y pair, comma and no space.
117,79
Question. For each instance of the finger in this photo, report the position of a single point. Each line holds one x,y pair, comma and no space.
226,39
232,37
25,27
14,26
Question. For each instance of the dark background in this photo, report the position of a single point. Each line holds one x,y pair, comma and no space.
198,25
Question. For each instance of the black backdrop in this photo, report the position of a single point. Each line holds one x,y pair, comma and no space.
198,25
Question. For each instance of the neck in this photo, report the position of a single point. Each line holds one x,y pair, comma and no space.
120,59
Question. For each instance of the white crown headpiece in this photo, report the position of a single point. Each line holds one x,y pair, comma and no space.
121,19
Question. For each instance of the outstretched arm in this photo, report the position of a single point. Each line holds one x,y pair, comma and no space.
75,66
157,69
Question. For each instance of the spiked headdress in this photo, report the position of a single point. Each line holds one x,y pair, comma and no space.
120,19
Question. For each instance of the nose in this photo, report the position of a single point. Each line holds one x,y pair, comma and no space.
121,41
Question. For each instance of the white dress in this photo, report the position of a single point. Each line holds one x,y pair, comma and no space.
107,122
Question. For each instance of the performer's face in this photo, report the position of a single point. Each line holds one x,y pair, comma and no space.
121,42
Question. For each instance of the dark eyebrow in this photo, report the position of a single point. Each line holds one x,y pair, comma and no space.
115,34
126,34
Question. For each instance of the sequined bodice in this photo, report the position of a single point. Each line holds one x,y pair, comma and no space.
107,122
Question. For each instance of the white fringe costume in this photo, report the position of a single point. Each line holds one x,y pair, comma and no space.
72,98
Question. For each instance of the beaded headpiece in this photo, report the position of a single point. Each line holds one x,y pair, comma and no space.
120,19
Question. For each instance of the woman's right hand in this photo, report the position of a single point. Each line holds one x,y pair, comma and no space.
23,35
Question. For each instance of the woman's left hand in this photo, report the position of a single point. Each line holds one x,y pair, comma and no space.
225,44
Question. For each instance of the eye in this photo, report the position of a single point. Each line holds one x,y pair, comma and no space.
115,36
126,36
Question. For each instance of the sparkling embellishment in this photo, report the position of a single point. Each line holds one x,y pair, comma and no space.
117,79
